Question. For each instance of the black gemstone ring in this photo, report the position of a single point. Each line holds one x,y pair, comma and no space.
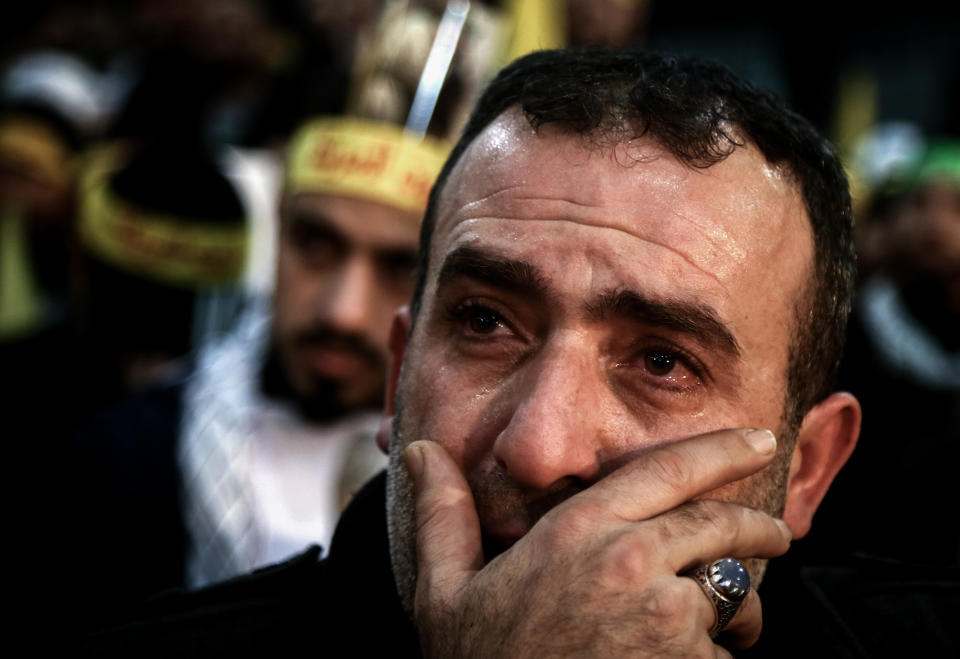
726,583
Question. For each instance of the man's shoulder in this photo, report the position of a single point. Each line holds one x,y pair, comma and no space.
304,602
861,607
125,455
273,608
893,608
154,411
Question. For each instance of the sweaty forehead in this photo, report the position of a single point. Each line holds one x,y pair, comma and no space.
717,219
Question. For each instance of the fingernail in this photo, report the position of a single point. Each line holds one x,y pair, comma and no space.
762,441
785,528
413,459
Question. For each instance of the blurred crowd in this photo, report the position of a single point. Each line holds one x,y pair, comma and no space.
209,210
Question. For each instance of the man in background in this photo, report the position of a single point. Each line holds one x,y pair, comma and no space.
903,362
251,457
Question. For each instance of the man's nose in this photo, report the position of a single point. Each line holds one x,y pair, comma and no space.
554,433
349,296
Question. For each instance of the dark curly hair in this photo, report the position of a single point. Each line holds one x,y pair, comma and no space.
698,110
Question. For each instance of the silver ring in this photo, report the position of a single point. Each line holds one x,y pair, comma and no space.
726,583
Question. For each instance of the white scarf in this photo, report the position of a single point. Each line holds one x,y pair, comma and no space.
902,342
258,480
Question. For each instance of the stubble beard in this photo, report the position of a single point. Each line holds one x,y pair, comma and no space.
401,516
767,491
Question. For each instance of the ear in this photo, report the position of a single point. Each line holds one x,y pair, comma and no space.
826,439
397,344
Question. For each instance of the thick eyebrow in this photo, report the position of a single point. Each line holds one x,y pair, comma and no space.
699,321
518,276
312,219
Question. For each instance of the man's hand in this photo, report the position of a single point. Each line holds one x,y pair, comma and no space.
600,574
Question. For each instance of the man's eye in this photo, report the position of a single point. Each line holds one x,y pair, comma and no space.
316,244
660,362
483,321
671,368
476,319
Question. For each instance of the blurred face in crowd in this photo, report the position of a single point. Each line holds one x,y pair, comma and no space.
927,230
606,23
584,304
344,266
37,183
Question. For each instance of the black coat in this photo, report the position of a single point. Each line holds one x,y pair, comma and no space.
347,605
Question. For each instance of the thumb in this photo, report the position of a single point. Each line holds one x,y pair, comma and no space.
449,548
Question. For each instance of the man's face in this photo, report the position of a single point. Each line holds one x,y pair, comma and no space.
926,233
585,304
344,266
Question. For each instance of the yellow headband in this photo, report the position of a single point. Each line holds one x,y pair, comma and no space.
169,249
34,148
359,158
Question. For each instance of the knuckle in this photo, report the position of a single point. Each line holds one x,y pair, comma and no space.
717,516
554,535
668,604
670,612
669,466
628,559
725,524
727,521
706,510
571,524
